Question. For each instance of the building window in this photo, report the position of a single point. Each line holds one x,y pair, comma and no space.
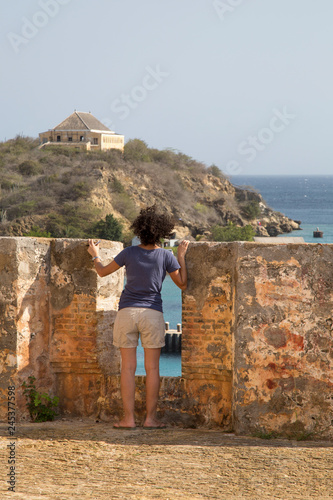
58,138
70,139
81,138
95,140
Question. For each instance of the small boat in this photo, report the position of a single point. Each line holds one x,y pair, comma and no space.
317,233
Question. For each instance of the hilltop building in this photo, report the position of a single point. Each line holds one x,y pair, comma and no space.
82,130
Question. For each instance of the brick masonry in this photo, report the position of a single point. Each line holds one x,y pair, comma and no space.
208,325
256,347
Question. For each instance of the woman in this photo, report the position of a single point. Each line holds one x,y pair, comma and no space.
140,307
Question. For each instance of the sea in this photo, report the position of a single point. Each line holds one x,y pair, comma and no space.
308,199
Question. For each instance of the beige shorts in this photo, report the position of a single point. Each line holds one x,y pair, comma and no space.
134,321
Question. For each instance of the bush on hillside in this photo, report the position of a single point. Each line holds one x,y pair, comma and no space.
29,167
231,232
214,170
18,145
75,220
22,209
117,186
109,229
252,210
38,232
136,150
125,205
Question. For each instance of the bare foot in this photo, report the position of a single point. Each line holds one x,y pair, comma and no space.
125,424
154,424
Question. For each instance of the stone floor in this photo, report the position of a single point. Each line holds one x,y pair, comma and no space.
75,459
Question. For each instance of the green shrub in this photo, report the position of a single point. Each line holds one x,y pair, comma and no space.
117,186
252,210
109,229
68,151
75,221
7,185
25,208
114,157
167,157
29,167
231,232
66,177
136,150
38,232
47,179
214,170
41,406
80,190
125,205
202,209
19,145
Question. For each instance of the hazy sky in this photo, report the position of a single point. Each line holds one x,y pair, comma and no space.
242,84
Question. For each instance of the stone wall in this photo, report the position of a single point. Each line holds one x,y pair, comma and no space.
256,347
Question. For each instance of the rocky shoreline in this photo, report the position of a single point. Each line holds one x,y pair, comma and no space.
275,223
269,222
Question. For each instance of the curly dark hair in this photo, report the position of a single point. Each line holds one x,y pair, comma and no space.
150,226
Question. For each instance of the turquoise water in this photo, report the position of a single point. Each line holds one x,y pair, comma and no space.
307,233
170,364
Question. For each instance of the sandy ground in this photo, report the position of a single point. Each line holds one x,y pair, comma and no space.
75,459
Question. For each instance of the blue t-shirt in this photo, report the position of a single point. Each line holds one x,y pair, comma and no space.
145,272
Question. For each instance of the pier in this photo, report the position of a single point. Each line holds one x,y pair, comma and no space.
317,233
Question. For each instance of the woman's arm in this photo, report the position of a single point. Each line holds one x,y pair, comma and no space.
101,270
179,277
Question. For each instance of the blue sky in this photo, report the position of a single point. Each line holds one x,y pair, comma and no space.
242,84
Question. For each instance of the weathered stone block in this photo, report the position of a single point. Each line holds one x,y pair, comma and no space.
283,340
53,324
207,331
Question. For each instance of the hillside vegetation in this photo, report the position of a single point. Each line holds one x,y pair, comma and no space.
61,192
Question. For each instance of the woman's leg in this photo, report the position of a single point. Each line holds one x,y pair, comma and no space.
127,385
152,358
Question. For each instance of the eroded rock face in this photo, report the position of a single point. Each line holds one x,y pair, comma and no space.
196,199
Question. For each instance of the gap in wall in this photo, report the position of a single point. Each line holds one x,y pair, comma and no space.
170,364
